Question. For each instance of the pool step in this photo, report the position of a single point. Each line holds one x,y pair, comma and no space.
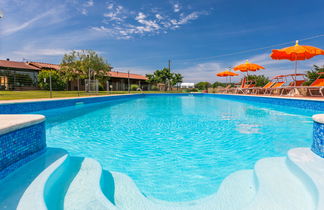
239,186
56,181
23,188
59,181
310,168
85,191
33,197
279,187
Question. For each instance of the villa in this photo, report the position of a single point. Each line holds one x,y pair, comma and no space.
16,75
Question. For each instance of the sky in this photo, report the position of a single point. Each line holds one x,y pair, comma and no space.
201,38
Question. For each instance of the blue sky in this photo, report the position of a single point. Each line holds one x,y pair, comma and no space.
200,37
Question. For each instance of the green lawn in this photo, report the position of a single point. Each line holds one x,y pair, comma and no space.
13,95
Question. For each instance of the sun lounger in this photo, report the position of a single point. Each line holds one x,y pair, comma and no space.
225,90
292,88
276,86
317,85
257,90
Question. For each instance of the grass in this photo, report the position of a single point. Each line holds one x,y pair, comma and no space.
36,94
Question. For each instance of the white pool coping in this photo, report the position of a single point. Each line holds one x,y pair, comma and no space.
319,118
12,122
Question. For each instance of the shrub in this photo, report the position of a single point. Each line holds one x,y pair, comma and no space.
202,85
57,81
260,80
134,87
218,84
154,88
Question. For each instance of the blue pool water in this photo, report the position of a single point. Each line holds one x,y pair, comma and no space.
178,148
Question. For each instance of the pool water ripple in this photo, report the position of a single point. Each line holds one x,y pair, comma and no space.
178,148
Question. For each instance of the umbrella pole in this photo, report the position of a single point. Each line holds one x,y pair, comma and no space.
295,71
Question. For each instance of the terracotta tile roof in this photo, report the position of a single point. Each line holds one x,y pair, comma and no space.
45,65
116,74
17,65
38,66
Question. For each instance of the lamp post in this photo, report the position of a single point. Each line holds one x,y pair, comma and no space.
50,82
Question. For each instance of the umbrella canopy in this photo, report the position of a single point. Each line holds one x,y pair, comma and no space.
246,67
226,74
297,52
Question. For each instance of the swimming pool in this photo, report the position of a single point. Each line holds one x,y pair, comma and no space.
178,147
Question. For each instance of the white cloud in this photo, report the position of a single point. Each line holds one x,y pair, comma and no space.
158,16
115,13
89,3
201,72
186,19
40,52
101,29
86,6
10,28
176,7
140,16
121,23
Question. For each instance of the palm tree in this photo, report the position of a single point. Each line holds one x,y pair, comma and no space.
177,79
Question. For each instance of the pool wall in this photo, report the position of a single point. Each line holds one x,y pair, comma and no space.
21,140
292,102
34,106
318,135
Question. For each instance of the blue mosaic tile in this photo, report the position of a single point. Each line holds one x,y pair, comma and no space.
297,103
28,107
318,139
20,145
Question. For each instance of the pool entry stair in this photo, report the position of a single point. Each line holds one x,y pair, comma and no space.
56,180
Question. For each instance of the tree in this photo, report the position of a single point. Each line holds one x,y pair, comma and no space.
259,80
57,82
217,84
203,85
165,77
176,79
78,65
312,75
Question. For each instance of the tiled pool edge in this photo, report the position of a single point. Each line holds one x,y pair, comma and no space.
311,104
37,105
318,135
44,104
20,142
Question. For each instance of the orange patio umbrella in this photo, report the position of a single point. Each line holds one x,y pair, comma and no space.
226,74
246,67
296,53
